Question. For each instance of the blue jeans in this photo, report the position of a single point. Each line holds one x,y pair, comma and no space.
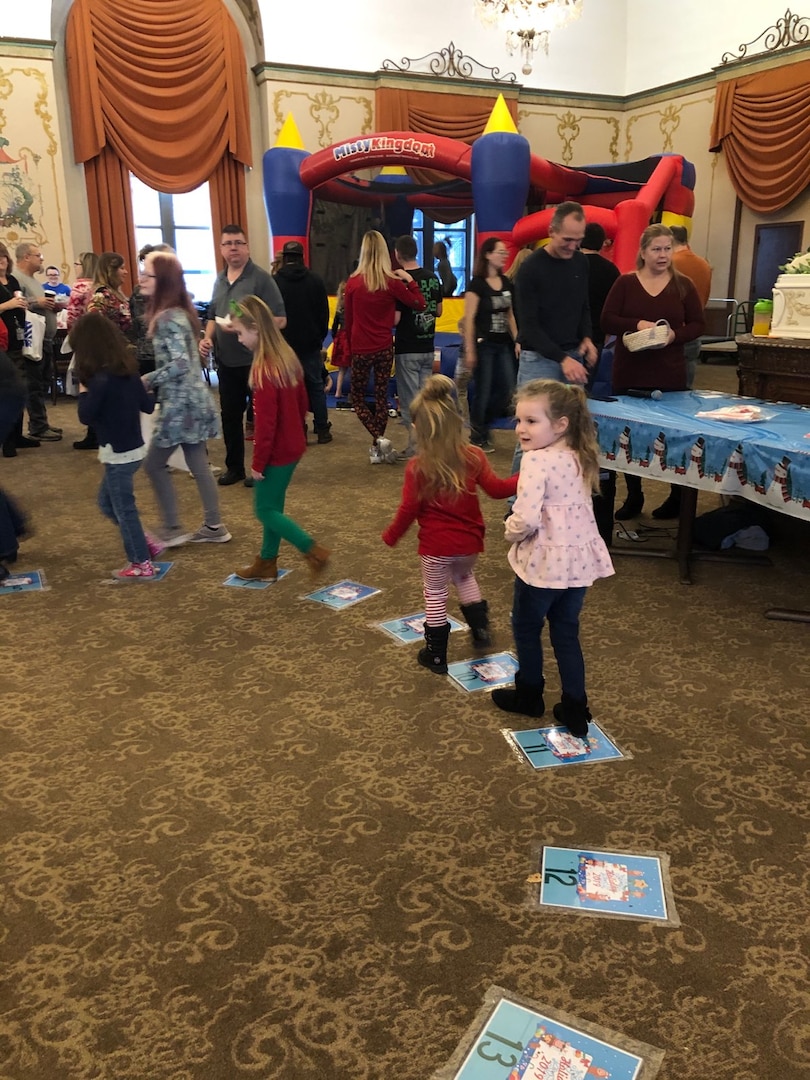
530,609
412,371
116,500
494,385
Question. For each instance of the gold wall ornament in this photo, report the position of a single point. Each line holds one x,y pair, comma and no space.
568,129
324,109
788,31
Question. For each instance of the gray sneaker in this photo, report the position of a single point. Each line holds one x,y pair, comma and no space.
171,537
208,535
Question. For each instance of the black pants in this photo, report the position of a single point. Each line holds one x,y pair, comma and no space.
234,394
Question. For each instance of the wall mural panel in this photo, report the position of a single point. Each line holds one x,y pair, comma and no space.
31,171
571,137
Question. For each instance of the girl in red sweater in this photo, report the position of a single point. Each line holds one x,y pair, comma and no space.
370,304
440,493
280,405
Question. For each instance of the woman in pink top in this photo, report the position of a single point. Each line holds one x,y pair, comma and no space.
556,551
82,288
369,305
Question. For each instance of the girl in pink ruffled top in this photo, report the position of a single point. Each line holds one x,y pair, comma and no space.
556,551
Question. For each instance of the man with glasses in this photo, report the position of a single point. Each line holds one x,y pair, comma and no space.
37,372
241,277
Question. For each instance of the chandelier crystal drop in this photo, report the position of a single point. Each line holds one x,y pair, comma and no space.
528,23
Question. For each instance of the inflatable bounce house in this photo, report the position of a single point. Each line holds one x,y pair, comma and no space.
496,178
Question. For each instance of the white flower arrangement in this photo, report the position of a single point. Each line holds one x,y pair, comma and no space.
799,264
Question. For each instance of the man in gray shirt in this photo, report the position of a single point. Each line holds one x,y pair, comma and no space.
37,372
241,277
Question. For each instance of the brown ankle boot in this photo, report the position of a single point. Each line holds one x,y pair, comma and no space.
316,558
259,570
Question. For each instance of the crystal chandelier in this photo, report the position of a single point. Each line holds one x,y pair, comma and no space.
528,23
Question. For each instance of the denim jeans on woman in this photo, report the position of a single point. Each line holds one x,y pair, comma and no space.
494,376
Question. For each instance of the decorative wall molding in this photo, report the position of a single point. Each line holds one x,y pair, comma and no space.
450,63
786,32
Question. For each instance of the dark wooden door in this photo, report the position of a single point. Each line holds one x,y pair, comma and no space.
773,246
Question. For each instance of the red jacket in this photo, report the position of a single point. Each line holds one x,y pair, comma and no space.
3,336
369,316
449,524
278,419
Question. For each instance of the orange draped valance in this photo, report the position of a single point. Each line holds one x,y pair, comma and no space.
761,123
456,116
163,82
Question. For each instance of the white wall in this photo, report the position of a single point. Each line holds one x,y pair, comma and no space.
587,56
617,47
668,41
31,19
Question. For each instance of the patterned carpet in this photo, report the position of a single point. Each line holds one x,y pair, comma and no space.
245,836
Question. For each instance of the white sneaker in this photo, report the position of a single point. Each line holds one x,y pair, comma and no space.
386,451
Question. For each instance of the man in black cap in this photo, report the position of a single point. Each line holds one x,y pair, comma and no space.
307,306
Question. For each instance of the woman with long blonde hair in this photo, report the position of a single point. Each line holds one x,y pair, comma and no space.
280,404
370,303
440,493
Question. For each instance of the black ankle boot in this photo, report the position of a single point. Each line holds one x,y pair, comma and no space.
477,618
434,654
671,506
574,714
634,502
525,698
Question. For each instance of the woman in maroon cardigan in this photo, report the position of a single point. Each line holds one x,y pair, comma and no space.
369,305
636,302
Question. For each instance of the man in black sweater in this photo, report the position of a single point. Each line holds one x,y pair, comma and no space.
307,307
552,298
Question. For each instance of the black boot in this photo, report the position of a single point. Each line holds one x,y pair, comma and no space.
477,618
574,714
89,442
434,654
671,507
634,503
604,503
324,434
526,698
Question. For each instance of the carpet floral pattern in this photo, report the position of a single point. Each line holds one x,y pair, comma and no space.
245,836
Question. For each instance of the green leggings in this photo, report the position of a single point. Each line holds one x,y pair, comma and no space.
269,495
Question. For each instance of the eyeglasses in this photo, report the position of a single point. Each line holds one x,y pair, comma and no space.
233,243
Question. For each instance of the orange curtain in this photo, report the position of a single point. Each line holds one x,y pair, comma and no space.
162,85
228,201
457,116
761,123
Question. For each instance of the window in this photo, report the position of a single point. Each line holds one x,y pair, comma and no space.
458,238
184,222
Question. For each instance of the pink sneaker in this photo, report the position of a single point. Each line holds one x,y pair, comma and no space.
139,571
155,545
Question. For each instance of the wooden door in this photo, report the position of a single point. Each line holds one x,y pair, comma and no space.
774,245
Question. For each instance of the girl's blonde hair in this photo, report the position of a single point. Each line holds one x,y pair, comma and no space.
273,358
518,261
566,401
444,454
374,264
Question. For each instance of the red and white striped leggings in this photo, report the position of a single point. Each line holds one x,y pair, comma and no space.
437,573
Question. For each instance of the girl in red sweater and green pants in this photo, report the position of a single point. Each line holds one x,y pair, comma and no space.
440,492
280,405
